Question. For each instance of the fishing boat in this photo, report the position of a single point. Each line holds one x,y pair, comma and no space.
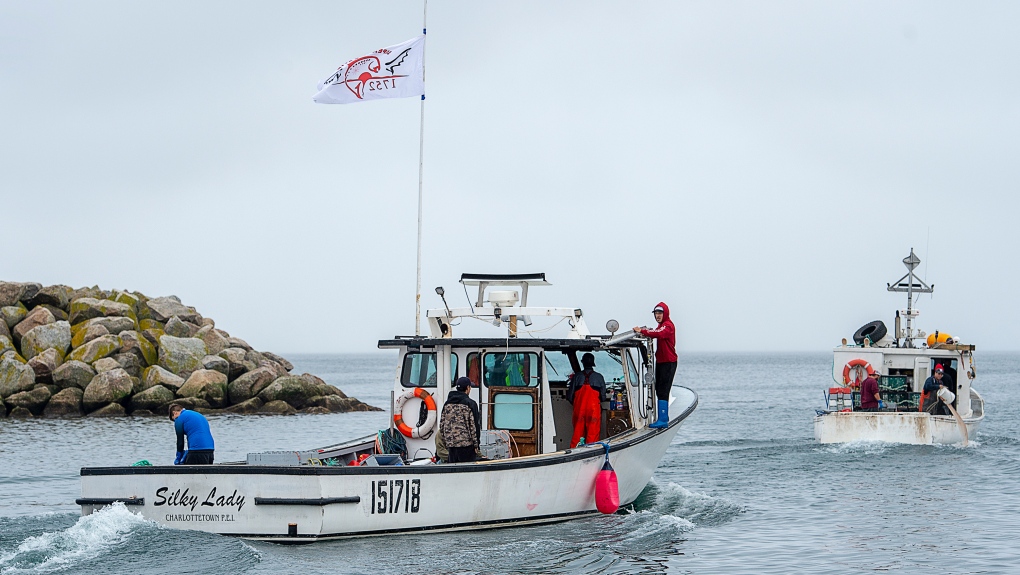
904,360
529,473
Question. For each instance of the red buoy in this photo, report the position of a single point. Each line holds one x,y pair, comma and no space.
607,491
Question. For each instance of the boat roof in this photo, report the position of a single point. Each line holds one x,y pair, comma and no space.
473,342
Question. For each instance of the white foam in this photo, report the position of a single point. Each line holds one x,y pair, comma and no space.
674,500
86,539
860,446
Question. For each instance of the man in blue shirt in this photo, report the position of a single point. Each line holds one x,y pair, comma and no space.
200,442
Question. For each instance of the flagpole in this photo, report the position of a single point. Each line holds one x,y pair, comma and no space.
421,168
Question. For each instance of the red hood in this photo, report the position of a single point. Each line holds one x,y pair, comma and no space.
665,312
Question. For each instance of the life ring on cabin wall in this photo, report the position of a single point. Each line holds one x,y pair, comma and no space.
398,414
856,363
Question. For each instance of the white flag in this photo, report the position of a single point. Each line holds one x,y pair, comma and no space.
391,72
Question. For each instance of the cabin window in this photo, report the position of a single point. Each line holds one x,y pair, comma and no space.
511,369
632,369
513,411
419,369
610,365
474,368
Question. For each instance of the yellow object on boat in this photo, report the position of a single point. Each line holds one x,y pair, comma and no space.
939,337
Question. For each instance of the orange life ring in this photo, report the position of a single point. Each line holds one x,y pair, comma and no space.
398,416
856,363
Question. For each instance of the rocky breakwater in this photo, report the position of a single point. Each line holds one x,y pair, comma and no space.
71,352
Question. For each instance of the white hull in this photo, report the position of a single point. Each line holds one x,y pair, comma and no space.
334,502
911,427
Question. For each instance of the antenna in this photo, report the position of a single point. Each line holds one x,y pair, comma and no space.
910,284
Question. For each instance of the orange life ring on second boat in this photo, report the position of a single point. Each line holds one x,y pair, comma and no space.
398,416
856,363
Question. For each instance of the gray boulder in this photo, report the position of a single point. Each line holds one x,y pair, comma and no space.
155,399
250,384
105,364
96,349
13,314
92,292
88,333
238,342
181,355
278,359
110,410
164,308
337,404
55,336
15,377
6,344
192,403
33,400
44,364
89,308
19,413
156,375
208,385
107,387
277,407
133,342
113,324
238,364
246,407
65,403
11,293
293,390
216,363
314,410
177,328
129,362
73,374
56,296
213,340
35,318
5,331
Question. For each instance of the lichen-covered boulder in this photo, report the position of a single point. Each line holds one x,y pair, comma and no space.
110,410
293,390
213,340
250,384
35,318
181,355
56,296
156,375
65,403
316,382
6,344
155,399
13,314
238,342
15,377
177,328
33,400
216,363
278,359
105,364
337,404
125,298
144,324
89,308
5,331
44,364
277,407
164,308
129,362
12,354
133,342
208,385
87,334
107,387
92,292
192,403
56,336
96,349
246,407
76,374
114,325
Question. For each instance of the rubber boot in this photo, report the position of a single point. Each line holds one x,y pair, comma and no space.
663,420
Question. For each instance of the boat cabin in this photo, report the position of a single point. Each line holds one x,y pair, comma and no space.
519,383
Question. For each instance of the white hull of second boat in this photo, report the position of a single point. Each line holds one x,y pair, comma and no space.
328,503
916,428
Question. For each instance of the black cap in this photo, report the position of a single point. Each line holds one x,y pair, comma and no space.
588,360
462,383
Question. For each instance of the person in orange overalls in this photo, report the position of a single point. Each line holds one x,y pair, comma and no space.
587,391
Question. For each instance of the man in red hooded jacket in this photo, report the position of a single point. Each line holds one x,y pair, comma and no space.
665,359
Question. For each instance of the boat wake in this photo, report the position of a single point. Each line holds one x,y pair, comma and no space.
88,538
673,501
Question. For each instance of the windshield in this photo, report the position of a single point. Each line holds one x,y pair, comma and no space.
607,362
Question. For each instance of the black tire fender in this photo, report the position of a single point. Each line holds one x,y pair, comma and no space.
874,331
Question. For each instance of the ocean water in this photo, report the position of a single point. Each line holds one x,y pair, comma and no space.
743,489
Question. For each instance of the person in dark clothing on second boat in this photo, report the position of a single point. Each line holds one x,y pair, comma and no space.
200,442
460,424
930,401
665,360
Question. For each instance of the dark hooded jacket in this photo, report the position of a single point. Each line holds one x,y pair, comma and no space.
665,332
461,398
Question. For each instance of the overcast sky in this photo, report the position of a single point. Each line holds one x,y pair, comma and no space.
762,167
